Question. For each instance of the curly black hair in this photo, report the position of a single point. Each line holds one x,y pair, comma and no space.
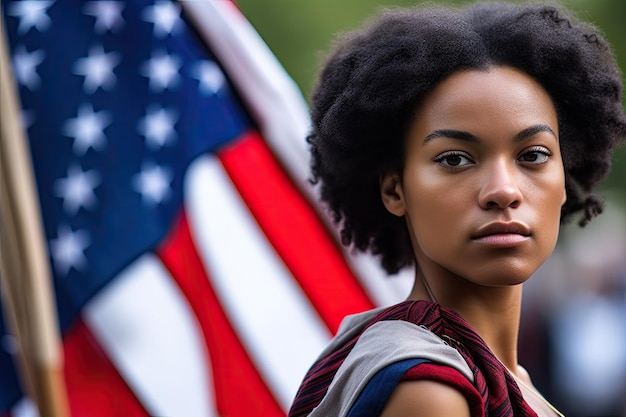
374,79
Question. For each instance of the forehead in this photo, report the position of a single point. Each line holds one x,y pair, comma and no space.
500,98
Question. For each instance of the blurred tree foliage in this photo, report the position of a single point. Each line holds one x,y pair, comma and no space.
300,31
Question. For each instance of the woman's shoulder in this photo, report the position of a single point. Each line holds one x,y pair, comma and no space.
384,352
391,341
424,398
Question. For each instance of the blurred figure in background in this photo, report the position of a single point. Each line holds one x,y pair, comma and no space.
572,337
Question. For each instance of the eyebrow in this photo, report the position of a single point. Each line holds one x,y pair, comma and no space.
468,137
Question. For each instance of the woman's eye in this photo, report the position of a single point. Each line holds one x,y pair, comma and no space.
538,155
453,160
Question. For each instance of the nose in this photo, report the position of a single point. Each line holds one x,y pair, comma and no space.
500,188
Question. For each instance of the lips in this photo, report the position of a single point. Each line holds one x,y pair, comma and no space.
502,228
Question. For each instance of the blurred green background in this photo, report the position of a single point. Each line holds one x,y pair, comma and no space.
300,31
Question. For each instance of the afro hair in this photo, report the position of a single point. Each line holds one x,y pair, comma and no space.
374,78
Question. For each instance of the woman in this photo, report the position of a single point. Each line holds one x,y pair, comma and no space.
455,141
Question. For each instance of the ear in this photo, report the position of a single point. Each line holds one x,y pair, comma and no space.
391,193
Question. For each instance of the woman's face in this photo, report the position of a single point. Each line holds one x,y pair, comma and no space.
483,182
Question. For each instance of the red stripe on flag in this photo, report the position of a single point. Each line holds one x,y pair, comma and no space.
294,229
239,389
94,386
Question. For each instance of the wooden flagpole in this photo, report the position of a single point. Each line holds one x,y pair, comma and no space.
24,267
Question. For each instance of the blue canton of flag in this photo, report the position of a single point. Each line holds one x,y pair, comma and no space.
118,98
114,112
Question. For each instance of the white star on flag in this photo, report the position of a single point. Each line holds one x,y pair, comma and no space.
87,129
157,126
153,183
31,13
108,15
97,68
165,16
162,70
68,249
210,76
25,67
77,190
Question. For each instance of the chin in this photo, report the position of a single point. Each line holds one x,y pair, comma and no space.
503,276
508,281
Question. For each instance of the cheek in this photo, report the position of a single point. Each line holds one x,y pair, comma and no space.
437,208
546,200
552,189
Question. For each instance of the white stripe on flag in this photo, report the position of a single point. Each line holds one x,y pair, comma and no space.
384,289
143,322
268,310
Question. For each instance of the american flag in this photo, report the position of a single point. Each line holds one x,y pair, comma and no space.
194,273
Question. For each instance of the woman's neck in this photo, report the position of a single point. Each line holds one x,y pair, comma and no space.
494,312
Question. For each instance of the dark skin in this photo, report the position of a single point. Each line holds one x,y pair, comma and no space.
481,193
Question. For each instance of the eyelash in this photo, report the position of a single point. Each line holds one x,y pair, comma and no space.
536,150
441,158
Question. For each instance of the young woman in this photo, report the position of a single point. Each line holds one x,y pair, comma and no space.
455,141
